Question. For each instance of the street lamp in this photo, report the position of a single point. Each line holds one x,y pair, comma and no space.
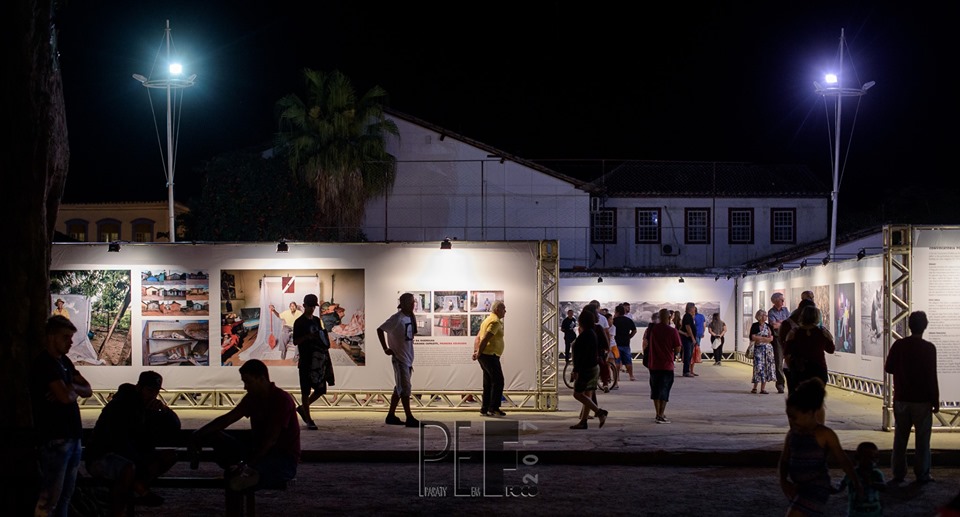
172,81
835,89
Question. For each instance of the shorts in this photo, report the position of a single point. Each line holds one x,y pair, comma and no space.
403,374
660,383
587,381
625,357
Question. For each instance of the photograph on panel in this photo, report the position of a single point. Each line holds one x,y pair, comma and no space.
871,318
844,330
176,343
97,302
174,292
258,321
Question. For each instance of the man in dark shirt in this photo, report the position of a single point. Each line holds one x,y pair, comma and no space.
273,450
688,337
625,330
916,396
55,387
569,328
313,343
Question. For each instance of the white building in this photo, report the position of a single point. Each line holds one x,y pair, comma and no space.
656,216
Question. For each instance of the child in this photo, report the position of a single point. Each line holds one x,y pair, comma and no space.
871,479
804,476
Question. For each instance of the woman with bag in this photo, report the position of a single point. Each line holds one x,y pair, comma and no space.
717,328
764,364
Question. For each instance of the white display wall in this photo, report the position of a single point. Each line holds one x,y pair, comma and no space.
176,298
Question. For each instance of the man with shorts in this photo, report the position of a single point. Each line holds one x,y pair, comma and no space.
625,330
123,449
314,346
662,343
396,338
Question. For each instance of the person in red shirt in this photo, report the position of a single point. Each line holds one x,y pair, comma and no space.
661,342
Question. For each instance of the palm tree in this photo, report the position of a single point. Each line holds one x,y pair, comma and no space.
337,143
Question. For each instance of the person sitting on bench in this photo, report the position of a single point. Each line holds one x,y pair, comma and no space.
123,448
273,448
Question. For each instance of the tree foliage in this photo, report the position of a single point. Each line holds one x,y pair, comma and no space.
247,197
337,143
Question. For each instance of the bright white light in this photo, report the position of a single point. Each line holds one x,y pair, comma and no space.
831,78
176,69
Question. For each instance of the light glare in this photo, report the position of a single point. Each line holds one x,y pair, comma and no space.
176,68
831,78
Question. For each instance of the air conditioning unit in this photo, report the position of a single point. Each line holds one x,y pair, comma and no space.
669,250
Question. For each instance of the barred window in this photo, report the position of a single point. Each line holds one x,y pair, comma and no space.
741,226
648,226
603,226
696,228
783,226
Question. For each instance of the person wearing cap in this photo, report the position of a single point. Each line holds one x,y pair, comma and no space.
125,438
396,338
310,337
60,310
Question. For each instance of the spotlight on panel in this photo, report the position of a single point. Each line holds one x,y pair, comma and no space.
113,247
599,279
803,263
862,253
826,260
446,244
681,280
282,247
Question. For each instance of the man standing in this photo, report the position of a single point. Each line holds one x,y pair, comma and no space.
55,387
569,328
688,336
123,449
916,396
625,330
396,338
487,353
289,317
313,344
273,449
662,342
777,314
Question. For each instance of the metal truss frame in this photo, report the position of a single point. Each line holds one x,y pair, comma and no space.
544,397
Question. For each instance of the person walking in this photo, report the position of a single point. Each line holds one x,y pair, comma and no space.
586,371
487,353
625,330
396,337
661,343
761,335
717,329
313,344
55,387
916,397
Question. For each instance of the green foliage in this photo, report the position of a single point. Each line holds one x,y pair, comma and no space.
106,289
337,143
246,197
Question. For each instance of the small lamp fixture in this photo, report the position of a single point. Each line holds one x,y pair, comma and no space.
744,275
728,276
803,263
282,247
113,247
862,253
716,278
599,279
826,260
446,244
681,280
779,267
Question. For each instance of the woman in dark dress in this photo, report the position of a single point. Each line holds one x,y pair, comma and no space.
586,370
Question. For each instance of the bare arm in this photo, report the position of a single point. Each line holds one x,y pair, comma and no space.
383,342
832,444
81,386
217,424
787,486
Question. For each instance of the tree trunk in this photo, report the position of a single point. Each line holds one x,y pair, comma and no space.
33,162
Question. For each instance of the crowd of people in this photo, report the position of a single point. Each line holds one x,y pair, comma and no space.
789,350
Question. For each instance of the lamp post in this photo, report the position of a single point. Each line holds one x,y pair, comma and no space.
172,81
835,89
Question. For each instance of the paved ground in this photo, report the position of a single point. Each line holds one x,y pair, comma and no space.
718,455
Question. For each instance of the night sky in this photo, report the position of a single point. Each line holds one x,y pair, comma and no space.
548,81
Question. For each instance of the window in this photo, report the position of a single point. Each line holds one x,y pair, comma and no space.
142,230
648,226
77,229
783,226
108,230
741,226
603,226
696,227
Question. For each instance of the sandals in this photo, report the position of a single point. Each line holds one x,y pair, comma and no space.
602,417
764,392
754,390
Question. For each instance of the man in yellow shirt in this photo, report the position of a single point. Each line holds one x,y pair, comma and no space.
487,352
286,331
60,310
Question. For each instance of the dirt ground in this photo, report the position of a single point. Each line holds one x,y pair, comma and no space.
116,351
392,489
